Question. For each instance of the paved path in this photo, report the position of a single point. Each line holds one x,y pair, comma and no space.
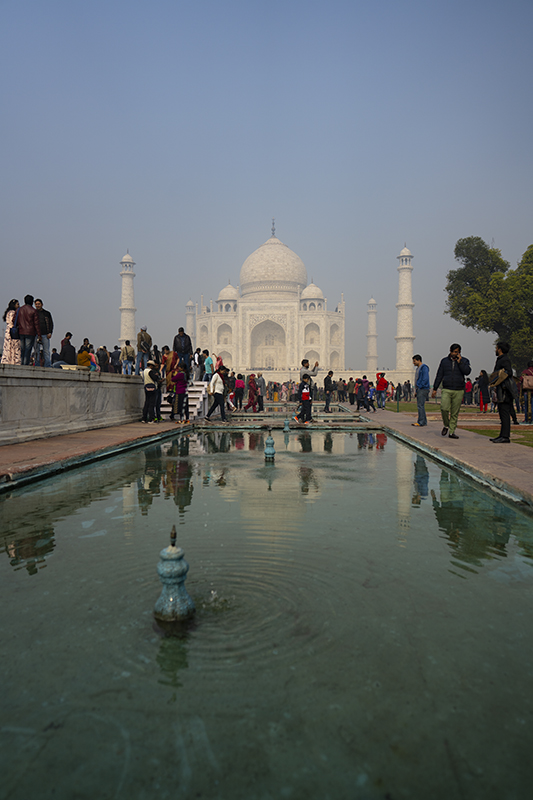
508,467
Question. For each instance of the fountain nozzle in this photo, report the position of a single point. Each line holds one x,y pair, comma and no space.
269,447
174,603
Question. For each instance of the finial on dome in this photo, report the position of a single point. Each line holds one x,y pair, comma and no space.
273,229
127,251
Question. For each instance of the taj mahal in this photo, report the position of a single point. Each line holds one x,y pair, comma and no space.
274,318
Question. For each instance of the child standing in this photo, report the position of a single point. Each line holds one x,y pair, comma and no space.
304,396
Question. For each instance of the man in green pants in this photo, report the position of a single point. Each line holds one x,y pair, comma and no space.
451,373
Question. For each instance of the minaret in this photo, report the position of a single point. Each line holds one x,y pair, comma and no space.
190,321
405,305
372,339
127,307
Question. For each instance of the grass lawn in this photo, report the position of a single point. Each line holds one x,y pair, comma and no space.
517,436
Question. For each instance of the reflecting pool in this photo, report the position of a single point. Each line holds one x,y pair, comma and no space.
362,628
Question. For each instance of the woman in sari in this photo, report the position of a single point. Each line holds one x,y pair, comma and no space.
11,349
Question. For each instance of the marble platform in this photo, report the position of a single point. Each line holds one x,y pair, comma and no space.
36,403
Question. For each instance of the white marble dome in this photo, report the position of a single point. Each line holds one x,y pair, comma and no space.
127,258
312,292
273,267
229,292
406,252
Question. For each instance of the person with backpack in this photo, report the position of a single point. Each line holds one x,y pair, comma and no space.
144,346
127,356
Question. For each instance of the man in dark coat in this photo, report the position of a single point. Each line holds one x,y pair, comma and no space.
28,325
183,347
46,325
451,373
503,362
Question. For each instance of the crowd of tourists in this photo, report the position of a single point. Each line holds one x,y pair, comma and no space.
27,341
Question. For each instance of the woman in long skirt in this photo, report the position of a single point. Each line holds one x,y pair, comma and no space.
252,394
11,350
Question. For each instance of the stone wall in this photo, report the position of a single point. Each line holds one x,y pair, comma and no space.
36,403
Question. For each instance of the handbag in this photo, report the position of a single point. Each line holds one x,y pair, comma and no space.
14,330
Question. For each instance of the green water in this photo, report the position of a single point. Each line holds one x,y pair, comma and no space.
363,627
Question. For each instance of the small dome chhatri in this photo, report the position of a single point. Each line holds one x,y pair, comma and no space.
229,292
273,267
312,292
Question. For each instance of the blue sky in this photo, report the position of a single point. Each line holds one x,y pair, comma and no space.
178,130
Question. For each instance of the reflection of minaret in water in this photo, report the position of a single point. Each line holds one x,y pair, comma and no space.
404,485
129,507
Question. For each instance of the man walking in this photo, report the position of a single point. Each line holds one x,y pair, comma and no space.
422,387
29,328
46,325
261,391
144,345
451,373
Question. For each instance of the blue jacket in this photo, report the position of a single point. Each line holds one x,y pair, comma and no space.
452,373
422,379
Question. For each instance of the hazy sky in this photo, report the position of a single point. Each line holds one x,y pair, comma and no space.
178,130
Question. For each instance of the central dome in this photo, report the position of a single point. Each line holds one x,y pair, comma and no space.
273,267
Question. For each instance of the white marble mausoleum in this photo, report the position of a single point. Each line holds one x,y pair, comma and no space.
273,319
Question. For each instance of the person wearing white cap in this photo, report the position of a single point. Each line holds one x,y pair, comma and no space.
144,344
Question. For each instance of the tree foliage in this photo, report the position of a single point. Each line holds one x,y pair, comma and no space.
485,294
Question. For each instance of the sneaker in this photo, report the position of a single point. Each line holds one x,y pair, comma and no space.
416,425
144,421
444,431
296,419
453,436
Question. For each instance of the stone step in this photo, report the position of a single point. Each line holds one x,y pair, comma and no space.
198,401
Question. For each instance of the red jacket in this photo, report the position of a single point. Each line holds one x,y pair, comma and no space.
381,383
28,321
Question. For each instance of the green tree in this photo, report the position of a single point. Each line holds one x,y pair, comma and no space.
485,294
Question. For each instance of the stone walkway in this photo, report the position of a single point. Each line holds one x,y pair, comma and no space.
506,467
